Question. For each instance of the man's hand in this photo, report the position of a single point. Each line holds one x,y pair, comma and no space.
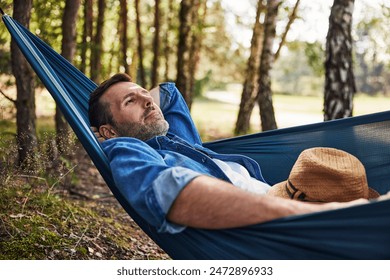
97,134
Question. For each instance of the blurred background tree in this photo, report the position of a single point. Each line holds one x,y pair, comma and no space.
64,133
340,86
25,94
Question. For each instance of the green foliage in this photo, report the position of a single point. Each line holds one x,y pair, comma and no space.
372,56
292,73
46,21
5,41
218,48
315,54
220,56
5,55
201,85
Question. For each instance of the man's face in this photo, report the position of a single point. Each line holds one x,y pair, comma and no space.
134,112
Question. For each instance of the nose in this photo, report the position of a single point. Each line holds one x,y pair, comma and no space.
148,100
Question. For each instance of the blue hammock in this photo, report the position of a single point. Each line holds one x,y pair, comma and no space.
361,232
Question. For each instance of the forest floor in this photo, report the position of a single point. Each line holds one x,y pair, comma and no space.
92,188
70,216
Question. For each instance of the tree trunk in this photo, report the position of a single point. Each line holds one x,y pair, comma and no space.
183,50
97,44
123,34
167,47
25,103
267,114
198,17
87,34
156,44
140,46
68,49
339,78
249,91
69,21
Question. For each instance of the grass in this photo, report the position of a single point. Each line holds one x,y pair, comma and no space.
40,219
215,116
36,223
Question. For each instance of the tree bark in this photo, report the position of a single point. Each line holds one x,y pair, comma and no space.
97,44
25,103
249,91
183,50
167,47
156,44
198,17
267,114
87,34
339,78
140,46
123,35
68,49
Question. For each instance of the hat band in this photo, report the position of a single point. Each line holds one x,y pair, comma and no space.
293,192
296,194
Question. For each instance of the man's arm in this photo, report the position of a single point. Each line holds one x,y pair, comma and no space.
177,114
211,203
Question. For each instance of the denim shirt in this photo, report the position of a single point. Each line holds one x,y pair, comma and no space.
151,174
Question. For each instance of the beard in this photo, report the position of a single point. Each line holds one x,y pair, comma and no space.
142,131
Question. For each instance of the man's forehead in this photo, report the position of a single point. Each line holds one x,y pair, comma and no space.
124,86
121,88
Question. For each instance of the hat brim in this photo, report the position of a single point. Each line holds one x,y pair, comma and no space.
372,193
279,190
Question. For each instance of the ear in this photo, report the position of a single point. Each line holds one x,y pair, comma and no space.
107,131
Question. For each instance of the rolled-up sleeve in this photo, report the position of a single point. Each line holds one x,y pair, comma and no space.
166,188
145,180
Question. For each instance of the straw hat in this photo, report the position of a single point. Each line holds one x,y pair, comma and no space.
325,175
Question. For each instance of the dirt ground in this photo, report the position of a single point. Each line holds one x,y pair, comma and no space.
92,189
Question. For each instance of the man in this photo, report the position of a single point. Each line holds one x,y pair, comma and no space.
160,166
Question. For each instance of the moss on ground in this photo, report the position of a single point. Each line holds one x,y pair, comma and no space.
56,211
37,223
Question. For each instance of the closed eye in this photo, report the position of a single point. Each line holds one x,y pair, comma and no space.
128,101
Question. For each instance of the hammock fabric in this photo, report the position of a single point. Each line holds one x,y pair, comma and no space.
361,232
